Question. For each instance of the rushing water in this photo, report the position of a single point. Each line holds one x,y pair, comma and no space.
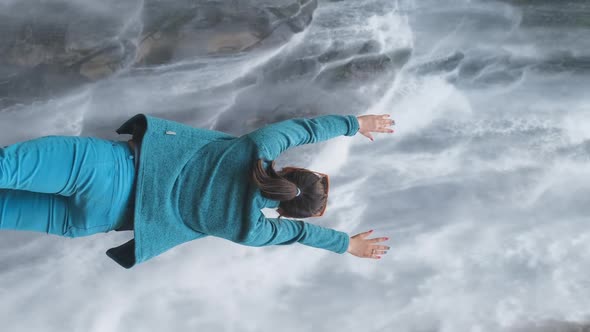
483,188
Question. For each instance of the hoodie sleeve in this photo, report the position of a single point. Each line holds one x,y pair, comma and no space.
273,231
278,137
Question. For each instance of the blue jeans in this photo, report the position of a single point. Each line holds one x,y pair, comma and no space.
65,185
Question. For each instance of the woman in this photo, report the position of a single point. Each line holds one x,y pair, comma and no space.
172,183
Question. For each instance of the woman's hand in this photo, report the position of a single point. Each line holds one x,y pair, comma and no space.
360,246
374,123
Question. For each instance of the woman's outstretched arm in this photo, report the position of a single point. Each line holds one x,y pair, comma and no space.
278,137
272,231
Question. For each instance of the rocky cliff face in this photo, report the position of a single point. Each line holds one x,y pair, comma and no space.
48,48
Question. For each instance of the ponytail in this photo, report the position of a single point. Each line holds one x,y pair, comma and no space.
271,184
300,192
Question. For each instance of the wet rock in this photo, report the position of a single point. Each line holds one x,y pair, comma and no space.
296,16
362,68
481,71
500,77
485,71
25,44
471,68
213,29
98,41
57,32
565,62
340,51
107,61
41,81
291,70
438,66
401,57
547,13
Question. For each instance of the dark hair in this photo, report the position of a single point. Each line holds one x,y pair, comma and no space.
282,186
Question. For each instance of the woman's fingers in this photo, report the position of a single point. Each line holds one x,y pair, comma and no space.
376,254
382,126
376,251
379,239
365,234
361,246
387,122
384,130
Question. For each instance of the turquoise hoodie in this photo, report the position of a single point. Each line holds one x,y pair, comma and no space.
194,182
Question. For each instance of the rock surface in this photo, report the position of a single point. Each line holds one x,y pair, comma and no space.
73,43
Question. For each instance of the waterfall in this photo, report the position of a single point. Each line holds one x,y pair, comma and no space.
482,188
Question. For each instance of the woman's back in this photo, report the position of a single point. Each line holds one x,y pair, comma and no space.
214,191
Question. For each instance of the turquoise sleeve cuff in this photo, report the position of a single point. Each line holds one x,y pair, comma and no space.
345,242
353,125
